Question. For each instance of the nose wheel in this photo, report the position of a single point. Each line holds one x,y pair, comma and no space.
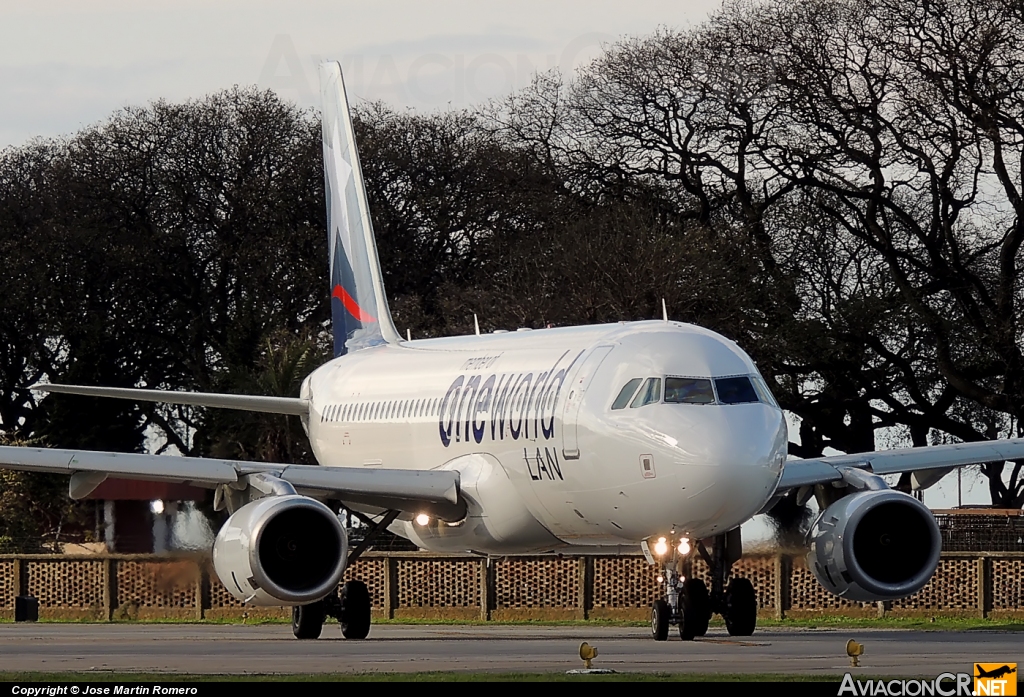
688,604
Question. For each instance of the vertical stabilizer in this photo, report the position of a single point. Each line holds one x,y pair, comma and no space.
359,308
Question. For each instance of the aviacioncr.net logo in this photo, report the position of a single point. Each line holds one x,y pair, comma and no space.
945,685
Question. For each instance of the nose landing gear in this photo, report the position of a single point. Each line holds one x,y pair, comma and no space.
689,605
686,604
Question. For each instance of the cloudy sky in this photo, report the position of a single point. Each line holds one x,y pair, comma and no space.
67,64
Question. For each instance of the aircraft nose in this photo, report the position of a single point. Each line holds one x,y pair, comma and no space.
729,456
748,437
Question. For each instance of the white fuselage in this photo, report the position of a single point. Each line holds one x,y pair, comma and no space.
544,460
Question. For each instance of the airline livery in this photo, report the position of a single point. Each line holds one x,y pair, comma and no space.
653,436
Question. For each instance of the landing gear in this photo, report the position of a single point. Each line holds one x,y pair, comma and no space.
740,607
689,604
308,620
737,603
351,607
661,618
696,610
355,610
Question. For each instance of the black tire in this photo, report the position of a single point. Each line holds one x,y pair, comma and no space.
696,610
740,607
355,610
660,615
308,620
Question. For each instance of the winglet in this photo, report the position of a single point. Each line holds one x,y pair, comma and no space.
359,307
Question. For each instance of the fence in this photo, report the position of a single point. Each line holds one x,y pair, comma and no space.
421,585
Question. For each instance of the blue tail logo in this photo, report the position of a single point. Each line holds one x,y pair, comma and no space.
359,309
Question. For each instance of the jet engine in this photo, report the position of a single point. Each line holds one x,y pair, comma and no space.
281,550
874,545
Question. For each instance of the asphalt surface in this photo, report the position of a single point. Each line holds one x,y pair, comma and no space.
394,648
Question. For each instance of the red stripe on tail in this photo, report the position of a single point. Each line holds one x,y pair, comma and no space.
351,305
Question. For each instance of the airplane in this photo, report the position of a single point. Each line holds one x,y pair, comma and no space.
995,673
654,436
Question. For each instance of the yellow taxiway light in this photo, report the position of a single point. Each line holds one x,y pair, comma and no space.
854,650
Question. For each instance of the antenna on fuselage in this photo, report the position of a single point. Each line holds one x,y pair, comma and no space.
408,334
664,310
476,324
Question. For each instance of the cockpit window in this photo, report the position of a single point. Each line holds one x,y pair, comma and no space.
625,393
648,394
736,390
763,393
689,391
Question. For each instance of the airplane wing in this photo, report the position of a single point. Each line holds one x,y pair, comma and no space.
273,405
821,470
409,491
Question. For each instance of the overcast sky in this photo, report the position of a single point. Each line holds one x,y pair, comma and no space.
64,65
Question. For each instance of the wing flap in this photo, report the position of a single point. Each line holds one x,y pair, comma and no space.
434,485
821,470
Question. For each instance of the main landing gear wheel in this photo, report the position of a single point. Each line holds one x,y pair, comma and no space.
696,610
355,610
308,620
661,615
740,607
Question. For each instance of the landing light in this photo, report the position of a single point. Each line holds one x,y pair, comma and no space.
661,547
684,546
422,519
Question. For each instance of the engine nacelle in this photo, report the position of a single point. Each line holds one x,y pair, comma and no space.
281,550
874,545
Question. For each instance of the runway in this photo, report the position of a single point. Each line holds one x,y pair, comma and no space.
397,648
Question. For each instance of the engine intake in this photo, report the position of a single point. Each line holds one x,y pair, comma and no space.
874,545
288,550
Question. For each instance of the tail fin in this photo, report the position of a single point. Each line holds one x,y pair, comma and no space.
359,308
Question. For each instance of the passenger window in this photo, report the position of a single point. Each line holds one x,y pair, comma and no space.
648,394
736,390
625,393
689,391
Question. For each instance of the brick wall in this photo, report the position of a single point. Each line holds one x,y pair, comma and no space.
421,585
